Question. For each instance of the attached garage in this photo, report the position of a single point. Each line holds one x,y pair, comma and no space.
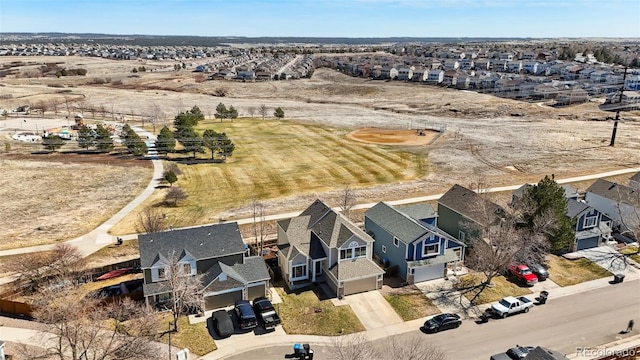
255,290
587,243
360,285
220,300
426,273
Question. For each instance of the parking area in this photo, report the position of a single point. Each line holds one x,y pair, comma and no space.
371,308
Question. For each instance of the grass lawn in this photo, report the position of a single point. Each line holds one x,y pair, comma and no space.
411,306
500,287
114,253
275,159
632,250
302,312
194,337
570,272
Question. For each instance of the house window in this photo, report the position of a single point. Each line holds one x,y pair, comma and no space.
412,271
384,249
461,235
396,242
353,253
299,271
430,249
186,269
161,273
590,221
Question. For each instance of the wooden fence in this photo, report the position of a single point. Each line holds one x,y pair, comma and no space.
15,308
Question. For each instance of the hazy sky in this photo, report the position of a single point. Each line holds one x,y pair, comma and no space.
327,18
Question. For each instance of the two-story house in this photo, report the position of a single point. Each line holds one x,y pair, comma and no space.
618,202
591,226
216,251
407,237
322,245
462,213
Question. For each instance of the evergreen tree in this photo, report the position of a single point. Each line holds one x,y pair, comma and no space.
103,139
547,197
166,142
52,142
85,137
221,112
190,140
279,113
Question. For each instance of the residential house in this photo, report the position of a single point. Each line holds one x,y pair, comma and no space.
407,237
632,83
463,81
405,72
482,64
432,64
506,56
618,202
216,251
389,72
467,64
420,74
460,208
514,67
600,76
544,92
435,76
451,64
322,245
591,225
572,96
498,65
531,67
450,78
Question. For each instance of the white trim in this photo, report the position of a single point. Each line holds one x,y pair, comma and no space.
384,249
216,293
461,235
396,242
425,245
305,273
593,218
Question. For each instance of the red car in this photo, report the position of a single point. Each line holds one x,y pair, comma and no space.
524,274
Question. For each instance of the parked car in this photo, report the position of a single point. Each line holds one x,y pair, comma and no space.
511,305
222,324
524,274
442,322
540,271
265,312
246,317
515,353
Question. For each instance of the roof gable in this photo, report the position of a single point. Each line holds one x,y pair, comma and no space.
616,192
395,222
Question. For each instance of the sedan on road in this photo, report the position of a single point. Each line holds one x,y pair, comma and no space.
442,322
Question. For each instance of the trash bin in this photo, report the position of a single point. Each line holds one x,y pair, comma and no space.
618,278
542,299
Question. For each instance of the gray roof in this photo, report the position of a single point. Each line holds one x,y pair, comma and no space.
395,222
355,269
541,353
449,256
417,211
468,203
575,208
330,227
252,269
616,192
203,242
569,191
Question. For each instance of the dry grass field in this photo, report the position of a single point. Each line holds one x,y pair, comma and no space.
504,141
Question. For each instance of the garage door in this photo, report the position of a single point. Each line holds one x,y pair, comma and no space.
255,291
222,300
426,273
358,286
587,243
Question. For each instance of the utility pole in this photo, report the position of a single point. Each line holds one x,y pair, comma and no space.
615,123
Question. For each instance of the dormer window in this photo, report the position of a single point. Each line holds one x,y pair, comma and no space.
186,268
162,273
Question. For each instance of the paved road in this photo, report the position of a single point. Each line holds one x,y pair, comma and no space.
587,319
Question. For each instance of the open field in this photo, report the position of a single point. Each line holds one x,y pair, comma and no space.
505,141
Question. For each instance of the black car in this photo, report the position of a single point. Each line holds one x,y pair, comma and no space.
442,322
246,317
222,324
265,312
519,352
540,271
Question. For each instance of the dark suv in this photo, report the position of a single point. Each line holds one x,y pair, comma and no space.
246,317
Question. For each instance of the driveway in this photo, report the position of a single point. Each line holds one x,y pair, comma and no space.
372,309
608,258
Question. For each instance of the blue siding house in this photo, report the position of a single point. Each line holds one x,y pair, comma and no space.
590,224
407,237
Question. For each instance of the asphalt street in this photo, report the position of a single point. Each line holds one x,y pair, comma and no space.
586,319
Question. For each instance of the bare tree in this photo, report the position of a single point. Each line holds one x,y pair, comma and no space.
77,324
251,110
352,347
347,200
155,113
358,347
67,103
259,224
64,261
151,220
102,110
184,287
175,194
55,107
263,111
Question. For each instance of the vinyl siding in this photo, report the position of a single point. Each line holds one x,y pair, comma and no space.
396,255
